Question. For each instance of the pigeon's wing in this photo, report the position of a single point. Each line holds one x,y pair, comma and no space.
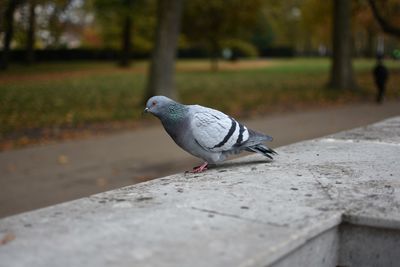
216,131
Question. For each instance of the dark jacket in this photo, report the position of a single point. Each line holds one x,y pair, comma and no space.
380,74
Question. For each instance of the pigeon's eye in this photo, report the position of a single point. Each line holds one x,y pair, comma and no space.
154,103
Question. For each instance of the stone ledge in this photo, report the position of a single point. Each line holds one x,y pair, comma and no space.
246,212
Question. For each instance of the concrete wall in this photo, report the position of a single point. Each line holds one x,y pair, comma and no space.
368,246
324,202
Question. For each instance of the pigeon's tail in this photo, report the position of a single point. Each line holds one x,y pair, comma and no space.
256,138
254,144
263,150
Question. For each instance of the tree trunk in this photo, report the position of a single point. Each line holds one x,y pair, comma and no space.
8,32
341,67
162,69
125,55
214,57
30,41
214,64
369,46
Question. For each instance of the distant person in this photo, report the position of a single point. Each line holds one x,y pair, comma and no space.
381,76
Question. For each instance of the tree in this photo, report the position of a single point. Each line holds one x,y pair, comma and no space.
44,22
122,12
262,35
10,8
316,24
124,59
285,18
30,40
162,67
365,29
385,24
341,67
211,23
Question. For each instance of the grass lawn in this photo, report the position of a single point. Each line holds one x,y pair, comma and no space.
67,95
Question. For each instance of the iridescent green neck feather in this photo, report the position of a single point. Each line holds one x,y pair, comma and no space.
176,112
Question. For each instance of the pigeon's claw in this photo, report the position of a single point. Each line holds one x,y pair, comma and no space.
200,168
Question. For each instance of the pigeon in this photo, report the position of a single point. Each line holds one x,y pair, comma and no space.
206,133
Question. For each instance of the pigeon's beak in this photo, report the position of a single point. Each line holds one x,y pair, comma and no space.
145,110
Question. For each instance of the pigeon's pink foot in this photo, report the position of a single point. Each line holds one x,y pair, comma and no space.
200,168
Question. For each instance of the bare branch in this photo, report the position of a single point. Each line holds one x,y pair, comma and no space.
385,25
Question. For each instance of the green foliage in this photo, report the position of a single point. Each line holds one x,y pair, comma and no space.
283,17
209,23
240,47
52,18
142,44
262,35
317,19
109,17
304,25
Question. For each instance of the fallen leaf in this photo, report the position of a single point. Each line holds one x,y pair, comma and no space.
8,237
11,167
63,159
101,182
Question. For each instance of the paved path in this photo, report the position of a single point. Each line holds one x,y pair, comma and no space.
44,175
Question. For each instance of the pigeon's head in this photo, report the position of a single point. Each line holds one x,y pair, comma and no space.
158,105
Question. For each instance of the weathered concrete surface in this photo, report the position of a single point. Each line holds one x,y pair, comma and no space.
318,251
248,212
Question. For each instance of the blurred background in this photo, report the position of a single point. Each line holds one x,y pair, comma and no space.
75,74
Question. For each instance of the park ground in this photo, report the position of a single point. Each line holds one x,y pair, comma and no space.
59,101
71,130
